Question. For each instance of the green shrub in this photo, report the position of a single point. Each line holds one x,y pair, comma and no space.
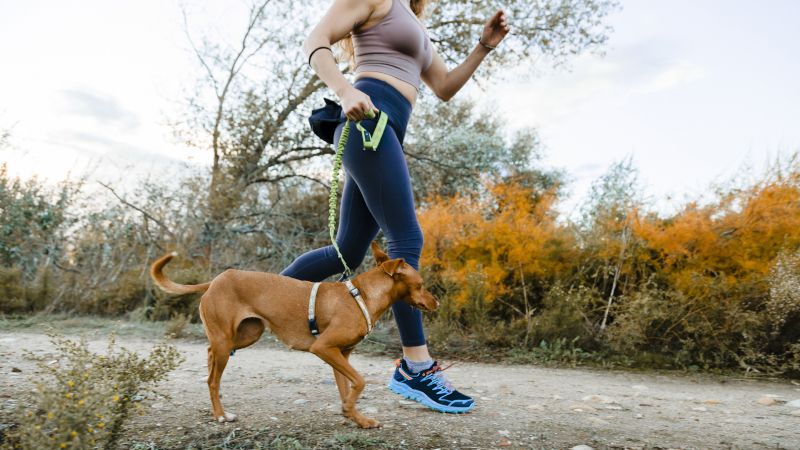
85,398
13,297
566,315
176,326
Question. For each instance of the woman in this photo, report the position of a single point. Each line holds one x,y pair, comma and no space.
392,54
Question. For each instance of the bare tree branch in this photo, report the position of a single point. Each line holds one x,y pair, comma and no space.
146,215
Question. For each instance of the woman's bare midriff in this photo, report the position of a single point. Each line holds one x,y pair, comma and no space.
408,91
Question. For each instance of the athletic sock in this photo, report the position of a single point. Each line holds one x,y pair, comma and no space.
418,366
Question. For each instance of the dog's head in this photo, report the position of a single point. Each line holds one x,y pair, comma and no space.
407,280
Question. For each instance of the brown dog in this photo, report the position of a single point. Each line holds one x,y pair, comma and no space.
237,305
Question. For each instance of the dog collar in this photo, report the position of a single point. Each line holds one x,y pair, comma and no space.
357,296
312,321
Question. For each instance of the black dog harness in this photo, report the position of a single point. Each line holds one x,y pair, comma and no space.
312,321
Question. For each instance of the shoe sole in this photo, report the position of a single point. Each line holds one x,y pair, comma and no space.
417,396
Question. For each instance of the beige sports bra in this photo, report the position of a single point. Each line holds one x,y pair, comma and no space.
398,45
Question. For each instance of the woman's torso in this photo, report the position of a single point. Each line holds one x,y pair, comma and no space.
407,90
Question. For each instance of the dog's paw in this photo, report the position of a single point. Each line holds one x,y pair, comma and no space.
228,417
366,422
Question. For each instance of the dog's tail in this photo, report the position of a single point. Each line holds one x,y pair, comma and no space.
168,285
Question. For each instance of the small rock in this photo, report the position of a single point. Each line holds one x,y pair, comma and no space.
598,421
598,399
300,401
796,412
699,408
535,406
640,416
582,447
157,405
406,402
502,432
794,404
767,401
639,387
614,407
371,410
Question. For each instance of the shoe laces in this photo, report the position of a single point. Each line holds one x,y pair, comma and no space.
437,379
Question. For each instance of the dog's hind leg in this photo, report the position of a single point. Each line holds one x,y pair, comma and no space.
333,356
217,360
248,332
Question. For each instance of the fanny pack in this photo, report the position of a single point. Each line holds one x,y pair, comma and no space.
324,120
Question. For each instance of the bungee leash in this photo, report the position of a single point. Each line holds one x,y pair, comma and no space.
370,141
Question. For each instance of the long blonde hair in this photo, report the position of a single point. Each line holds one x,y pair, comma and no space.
346,43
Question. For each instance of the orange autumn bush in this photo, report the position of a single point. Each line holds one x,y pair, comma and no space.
715,261
503,245
706,286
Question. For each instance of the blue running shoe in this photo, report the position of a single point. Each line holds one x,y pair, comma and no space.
430,388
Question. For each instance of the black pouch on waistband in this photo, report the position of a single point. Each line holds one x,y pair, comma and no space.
324,120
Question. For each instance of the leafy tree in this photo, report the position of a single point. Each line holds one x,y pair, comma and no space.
251,106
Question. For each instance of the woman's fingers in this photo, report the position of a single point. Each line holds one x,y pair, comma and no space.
361,108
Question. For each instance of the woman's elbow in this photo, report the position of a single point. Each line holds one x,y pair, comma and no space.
444,96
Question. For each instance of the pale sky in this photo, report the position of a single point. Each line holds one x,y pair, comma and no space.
692,90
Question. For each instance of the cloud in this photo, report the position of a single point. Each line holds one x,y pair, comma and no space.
105,110
674,75
94,145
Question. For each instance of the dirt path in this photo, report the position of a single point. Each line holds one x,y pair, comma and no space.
293,393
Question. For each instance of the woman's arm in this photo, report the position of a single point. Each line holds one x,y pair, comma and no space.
446,83
338,21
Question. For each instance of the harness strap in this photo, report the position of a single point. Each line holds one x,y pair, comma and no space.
312,322
357,296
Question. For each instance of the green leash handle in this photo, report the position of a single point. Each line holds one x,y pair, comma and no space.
371,141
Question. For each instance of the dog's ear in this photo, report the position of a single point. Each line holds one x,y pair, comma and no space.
380,257
392,266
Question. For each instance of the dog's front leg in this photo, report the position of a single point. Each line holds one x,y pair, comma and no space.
333,356
342,383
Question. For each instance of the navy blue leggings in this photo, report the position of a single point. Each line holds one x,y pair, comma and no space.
376,196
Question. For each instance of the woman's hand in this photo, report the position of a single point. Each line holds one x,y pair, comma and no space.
495,29
356,103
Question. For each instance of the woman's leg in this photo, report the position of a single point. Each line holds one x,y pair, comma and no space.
383,179
356,230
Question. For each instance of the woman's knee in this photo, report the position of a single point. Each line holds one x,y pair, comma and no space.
352,257
410,240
